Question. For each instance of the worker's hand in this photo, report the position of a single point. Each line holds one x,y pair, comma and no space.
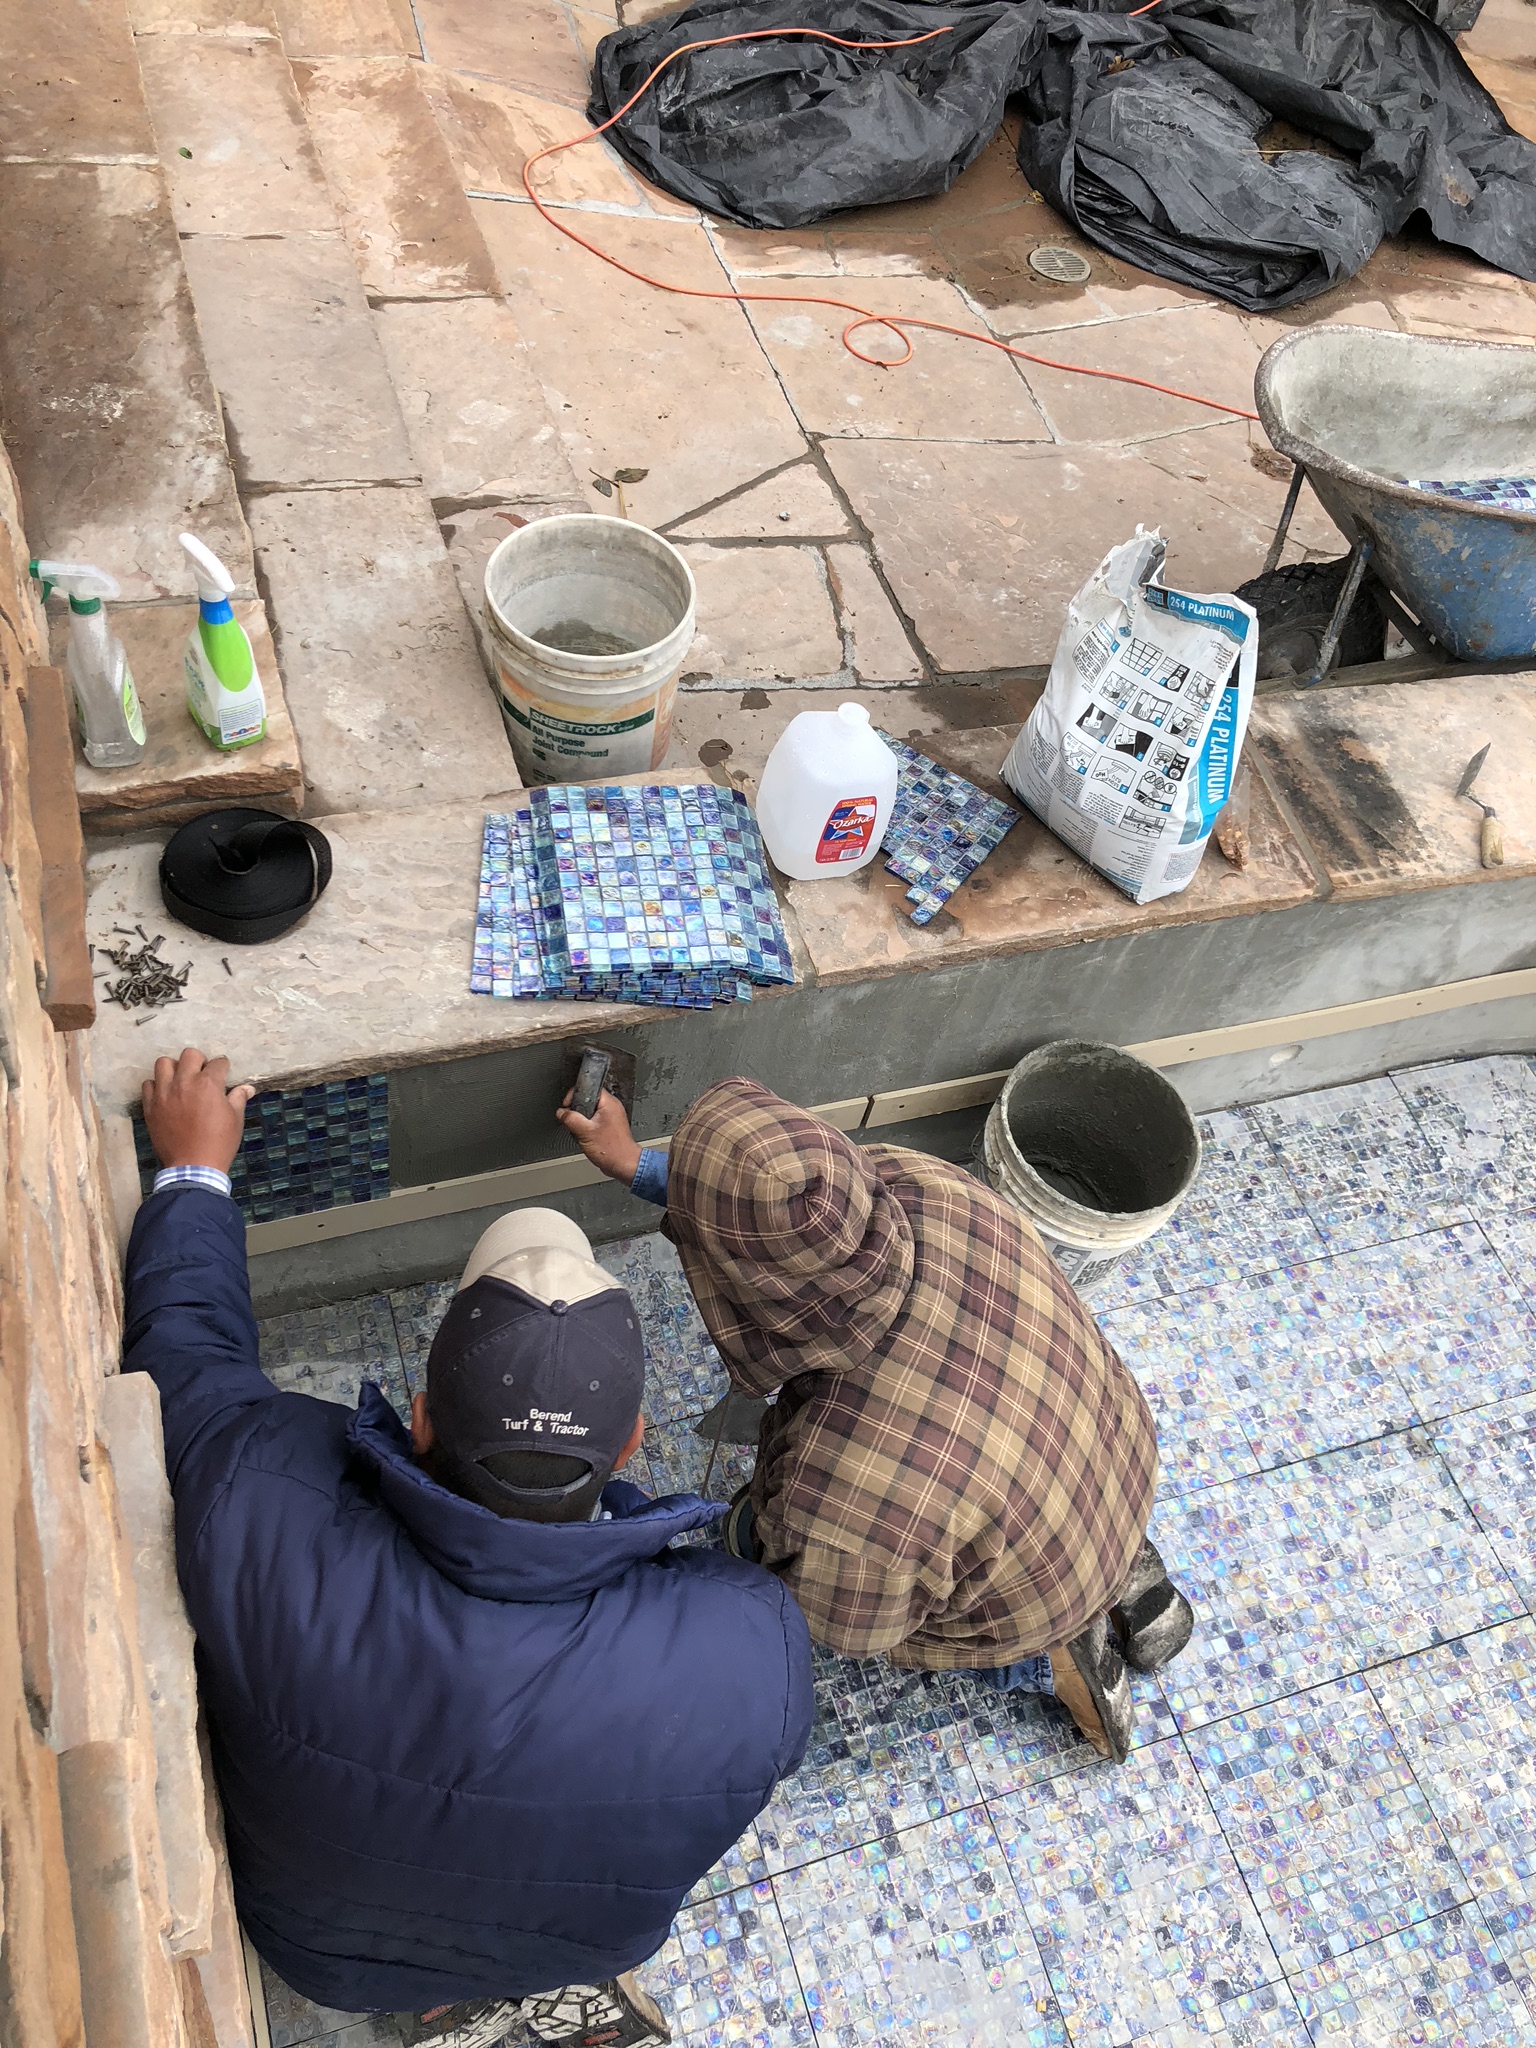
604,1136
193,1116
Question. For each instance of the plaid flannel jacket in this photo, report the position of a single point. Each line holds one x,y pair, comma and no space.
958,1470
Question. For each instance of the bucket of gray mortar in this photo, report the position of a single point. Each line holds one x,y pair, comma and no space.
1095,1148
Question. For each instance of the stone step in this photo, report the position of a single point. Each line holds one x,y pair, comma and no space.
372,382
106,401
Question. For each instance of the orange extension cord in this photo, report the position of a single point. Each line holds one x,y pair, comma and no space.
895,323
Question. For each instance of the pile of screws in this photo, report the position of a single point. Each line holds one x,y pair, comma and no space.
146,979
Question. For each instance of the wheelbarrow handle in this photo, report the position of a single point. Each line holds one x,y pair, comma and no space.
1359,562
1287,513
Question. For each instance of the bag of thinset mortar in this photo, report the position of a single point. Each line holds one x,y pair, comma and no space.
1130,755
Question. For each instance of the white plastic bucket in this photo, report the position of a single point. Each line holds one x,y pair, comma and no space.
571,715
1095,1147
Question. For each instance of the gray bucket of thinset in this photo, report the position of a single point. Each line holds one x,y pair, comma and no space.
590,621
1095,1148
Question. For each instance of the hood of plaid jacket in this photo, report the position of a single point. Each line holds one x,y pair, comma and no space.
799,1254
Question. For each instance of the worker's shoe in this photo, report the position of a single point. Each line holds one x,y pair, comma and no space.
617,2014
1152,1619
474,2023
737,1532
1090,1679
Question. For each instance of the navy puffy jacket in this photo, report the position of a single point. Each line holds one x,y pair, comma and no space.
459,1756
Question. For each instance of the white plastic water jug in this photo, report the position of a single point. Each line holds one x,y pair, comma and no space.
826,794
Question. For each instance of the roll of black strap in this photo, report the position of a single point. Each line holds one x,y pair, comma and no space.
244,875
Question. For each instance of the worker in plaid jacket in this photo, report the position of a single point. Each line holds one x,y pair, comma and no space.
957,1470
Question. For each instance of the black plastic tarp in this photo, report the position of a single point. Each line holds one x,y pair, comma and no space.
780,132
1143,131
1155,157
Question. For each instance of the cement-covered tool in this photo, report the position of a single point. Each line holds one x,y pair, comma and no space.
1492,843
589,1069
590,1077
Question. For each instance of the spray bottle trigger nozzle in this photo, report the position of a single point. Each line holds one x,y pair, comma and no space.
214,582
79,579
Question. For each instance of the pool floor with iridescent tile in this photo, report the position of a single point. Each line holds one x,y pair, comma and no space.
1327,1830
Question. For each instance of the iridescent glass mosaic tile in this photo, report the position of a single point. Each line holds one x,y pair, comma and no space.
1443,1980
1481,1117
1492,1456
888,1750
1315,1571
329,1352
1319,1805
921,1938
1136,1904
1242,1215
1362,1163
1465,1715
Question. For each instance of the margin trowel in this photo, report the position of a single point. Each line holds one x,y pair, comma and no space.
1492,842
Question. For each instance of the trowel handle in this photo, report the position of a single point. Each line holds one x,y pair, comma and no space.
1492,841
590,1076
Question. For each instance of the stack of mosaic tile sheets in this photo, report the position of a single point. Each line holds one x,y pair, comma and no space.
658,894
942,828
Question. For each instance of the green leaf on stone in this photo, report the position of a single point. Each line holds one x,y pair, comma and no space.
630,476
601,483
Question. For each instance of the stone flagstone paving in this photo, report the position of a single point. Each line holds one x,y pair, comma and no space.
1327,1830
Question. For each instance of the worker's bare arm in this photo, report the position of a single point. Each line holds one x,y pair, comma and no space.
604,1136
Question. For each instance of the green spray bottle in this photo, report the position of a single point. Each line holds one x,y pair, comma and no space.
224,693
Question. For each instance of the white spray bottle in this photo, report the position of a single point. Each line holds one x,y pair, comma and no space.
111,722
224,693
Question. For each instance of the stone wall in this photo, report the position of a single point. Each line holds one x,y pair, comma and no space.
111,1889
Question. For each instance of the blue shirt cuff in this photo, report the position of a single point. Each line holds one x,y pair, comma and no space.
650,1181
208,1177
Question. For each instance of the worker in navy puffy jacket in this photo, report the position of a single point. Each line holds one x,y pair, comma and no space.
478,1721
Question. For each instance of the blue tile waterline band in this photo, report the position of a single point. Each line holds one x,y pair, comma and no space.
304,1149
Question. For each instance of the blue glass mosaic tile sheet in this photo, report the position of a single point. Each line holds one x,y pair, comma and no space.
1491,1453
888,1751
942,828
1320,1569
658,894
727,1974
304,1149
919,1938
1512,493
1243,1215
1363,1163
331,1351
1444,1980
1481,1117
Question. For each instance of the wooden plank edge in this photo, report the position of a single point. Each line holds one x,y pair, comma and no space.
69,994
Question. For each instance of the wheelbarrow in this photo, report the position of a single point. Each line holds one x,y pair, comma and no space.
1359,412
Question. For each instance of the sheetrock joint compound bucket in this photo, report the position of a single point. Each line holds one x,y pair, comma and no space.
590,620
1095,1147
